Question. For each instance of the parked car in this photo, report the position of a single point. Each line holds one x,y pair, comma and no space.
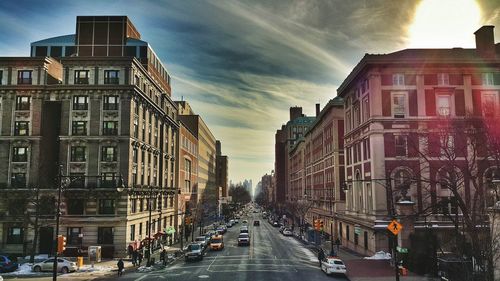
202,240
63,265
244,239
256,223
7,265
217,243
276,224
245,222
194,251
287,232
333,266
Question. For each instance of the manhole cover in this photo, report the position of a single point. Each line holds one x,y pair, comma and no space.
203,276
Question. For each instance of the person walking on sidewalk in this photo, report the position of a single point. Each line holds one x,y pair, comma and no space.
163,257
134,258
321,256
337,242
139,258
120,267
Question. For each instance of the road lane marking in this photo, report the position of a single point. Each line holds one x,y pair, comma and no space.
208,268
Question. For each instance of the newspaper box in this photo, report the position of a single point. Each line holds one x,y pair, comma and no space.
94,253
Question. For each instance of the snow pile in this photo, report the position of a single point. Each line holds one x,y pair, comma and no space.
379,256
89,268
306,252
23,269
144,268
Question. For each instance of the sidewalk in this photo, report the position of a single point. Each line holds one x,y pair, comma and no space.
360,269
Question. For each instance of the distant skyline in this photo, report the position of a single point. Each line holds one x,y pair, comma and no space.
242,64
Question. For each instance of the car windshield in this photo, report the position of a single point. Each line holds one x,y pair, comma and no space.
337,262
216,241
202,239
243,235
194,247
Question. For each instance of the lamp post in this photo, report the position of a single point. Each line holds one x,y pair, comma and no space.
62,183
390,210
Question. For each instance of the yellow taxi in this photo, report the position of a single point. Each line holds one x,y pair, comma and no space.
216,243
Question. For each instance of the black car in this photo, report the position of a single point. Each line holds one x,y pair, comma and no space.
7,265
256,223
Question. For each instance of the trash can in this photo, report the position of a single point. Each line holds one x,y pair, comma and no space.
79,261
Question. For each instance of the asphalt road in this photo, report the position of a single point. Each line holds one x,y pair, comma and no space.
270,256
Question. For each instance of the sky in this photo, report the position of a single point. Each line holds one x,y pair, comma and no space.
242,64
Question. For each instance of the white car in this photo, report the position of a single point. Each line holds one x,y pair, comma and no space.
202,240
63,265
333,266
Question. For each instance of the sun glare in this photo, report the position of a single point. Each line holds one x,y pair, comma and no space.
444,24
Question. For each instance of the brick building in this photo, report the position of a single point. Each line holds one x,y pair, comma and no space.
98,104
390,102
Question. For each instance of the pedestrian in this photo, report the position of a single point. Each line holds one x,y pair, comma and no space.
139,258
120,267
321,256
134,257
337,242
163,255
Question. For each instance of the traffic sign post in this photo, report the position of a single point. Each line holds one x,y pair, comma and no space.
395,227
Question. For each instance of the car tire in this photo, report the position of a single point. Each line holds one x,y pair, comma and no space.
64,270
37,269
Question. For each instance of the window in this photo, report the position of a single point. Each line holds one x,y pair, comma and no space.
18,180
366,109
20,154
80,103
110,103
132,232
23,103
136,128
108,153
105,235
106,206
140,229
111,77
135,155
21,128
81,76
1,77
78,154
398,79
399,105
108,180
137,81
75,206
73,236
489,103
133,206
400,145
443,105
15,235
447,145
77,180
79,128
110,128
366,240
443,79
487,79
24,77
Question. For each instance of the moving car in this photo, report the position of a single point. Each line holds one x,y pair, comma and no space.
63,265
217,243
244,229
202,240
276,224
287,232
333,266
244,239
194,251
7,265
256,223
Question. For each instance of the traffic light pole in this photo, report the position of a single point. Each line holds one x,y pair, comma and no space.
58,216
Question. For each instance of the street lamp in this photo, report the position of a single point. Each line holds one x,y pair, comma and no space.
63,183
403,189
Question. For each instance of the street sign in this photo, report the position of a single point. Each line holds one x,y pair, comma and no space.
357,230
395,227
402,250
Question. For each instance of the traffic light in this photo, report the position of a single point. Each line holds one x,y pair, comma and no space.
316,224
187,220
61,244
321,225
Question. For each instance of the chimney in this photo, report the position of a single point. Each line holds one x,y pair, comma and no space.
485,41
317,110
295,112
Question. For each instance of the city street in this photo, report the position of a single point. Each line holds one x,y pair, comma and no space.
271,256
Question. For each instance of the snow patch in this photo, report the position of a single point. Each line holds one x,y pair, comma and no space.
144,268
89,268
379,256
307,253
23,269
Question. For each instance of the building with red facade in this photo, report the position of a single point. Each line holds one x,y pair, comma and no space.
395,108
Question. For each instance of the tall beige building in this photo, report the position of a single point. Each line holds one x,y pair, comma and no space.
97,104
